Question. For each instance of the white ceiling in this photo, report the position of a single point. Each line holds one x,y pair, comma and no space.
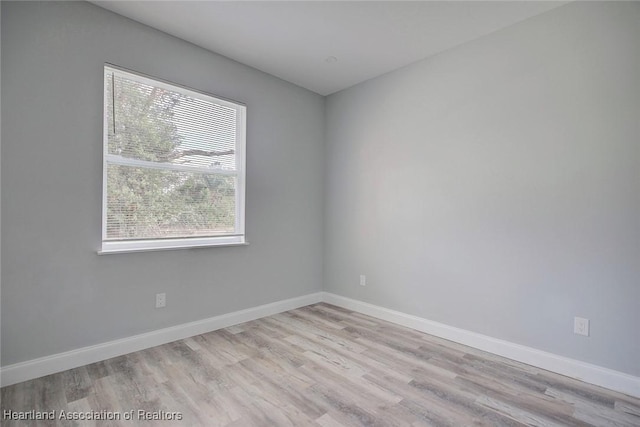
292,40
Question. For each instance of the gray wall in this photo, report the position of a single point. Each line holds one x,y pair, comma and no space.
0,177
57,293
496,187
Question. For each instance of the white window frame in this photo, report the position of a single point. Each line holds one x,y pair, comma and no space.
238,238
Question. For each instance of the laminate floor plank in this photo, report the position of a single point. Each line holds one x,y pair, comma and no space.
317,366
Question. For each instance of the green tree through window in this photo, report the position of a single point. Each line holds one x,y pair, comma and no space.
171,161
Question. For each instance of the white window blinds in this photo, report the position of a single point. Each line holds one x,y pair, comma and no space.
173,165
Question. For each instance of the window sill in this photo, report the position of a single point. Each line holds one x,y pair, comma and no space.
130,246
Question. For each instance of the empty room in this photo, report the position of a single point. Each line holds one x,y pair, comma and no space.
320,213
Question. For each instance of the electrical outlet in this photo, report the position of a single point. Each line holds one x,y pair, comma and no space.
161,300
363,280
581,326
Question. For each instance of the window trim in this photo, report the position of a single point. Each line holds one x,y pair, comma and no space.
144,245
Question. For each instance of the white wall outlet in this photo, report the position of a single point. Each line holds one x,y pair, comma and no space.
363,280
161,300
581,326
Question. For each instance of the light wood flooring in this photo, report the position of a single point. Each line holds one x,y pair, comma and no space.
321,366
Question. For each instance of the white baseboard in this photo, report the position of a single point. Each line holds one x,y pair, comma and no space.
586,372
40,367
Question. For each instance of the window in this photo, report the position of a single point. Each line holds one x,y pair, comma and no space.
174,166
